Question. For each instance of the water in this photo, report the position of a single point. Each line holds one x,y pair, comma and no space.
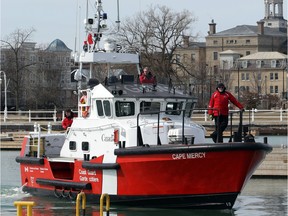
260,197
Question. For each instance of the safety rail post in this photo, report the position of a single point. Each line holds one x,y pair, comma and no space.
253,115
35,127
49,128
20,204
29,115
205,116
39,141
107,203
281,114
55,115
79,196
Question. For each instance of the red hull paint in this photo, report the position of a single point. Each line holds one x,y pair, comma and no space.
218,172
190,174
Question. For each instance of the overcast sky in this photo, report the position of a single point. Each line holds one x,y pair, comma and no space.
59,19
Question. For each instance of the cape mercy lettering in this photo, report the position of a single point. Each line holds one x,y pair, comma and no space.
189,155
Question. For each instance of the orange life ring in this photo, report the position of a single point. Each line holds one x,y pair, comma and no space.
84,109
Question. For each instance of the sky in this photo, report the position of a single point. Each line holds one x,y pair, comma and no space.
63,19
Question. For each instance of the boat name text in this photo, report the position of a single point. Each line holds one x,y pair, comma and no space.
189,155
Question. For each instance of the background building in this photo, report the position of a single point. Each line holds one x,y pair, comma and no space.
38,78
225,50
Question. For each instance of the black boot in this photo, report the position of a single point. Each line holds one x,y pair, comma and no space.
214,136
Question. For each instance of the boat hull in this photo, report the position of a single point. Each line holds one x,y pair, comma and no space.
172,176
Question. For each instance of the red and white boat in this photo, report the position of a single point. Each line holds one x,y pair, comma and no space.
135,142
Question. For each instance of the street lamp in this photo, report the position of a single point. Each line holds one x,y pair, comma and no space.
238,82
283,84
5,92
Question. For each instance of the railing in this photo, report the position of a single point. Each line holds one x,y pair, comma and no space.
253,116
32,116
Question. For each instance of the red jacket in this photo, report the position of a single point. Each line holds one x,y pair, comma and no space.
220,101
67,122
146,78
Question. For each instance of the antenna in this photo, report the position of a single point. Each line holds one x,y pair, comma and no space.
118,17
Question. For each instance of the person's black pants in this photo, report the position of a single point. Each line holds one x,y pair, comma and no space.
222,121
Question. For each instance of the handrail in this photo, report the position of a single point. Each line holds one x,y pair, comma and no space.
138,133
279,115
20,204
107,203
79,196
158,123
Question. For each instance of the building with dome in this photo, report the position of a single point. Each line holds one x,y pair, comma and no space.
41,75
220,59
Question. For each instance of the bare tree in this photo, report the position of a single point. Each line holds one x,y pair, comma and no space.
17,63
156,33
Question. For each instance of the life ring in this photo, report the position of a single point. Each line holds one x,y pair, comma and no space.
84,109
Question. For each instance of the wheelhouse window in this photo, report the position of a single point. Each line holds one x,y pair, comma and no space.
172,108
99,108
103,107
149,106
188,109
124,108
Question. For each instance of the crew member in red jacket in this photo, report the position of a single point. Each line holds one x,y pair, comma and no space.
218,110
147,77
68,120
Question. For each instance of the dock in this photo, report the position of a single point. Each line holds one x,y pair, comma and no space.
274,165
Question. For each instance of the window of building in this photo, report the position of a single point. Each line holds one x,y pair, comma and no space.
276,89
242,76
271,76
271,89
248,42
215,42
215,55
259,76
247,76
193,57
236,89
258,64
248,53
32,58
276,76
242,88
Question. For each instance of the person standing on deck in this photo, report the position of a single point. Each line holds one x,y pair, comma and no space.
68,120
147,77
218,110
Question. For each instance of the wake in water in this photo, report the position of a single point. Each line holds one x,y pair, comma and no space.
9,193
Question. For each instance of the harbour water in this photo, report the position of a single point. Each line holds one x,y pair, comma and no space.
260,197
